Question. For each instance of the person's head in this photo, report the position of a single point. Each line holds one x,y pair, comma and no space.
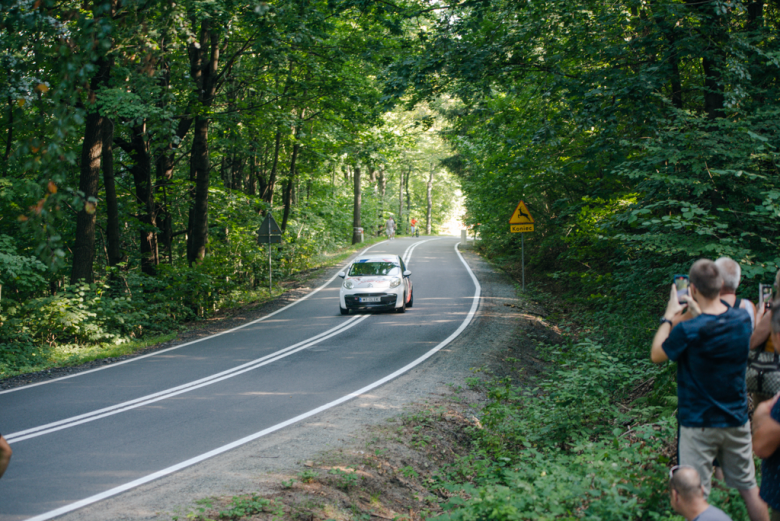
731,273
777,283
685,489
705,279
776,322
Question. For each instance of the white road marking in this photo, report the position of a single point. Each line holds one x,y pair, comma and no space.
181,389
184,464
266,317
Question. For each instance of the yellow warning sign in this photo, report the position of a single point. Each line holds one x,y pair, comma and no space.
521,215
521,228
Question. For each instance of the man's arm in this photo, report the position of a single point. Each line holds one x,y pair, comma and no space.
766,431
5,455
761,333
673,308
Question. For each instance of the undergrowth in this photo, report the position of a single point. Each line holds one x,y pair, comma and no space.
592,438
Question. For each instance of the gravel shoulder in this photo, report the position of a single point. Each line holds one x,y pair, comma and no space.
259,467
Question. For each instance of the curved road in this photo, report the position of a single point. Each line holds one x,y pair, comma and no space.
82,438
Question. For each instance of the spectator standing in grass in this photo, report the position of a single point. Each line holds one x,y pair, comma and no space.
766,433
711,351
687,496
5,455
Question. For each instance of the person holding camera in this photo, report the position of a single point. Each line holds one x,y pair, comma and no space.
711,350
766,434
761,338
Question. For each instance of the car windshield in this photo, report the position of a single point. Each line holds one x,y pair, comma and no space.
361,269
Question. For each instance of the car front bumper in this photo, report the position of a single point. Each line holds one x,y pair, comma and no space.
387,300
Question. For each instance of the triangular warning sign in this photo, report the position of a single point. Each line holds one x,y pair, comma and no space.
521,215
269,226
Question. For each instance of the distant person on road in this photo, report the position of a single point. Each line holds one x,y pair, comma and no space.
711,351
766,436
390,228
5,455
687,496
414,225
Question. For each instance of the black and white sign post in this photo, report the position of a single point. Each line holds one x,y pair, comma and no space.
521,222
269,233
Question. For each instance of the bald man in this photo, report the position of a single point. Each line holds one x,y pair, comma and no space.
687,497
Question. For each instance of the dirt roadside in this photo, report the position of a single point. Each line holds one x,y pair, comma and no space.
309,470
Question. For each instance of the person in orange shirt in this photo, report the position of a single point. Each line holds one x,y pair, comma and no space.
5,455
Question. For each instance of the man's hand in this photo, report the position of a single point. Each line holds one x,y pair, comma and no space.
673,307
693,306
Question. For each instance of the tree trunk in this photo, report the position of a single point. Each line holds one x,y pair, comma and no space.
400,220
268,193
356,236
199,213
204,63
428,214
288,187
89,177
114,249
408,198
714,36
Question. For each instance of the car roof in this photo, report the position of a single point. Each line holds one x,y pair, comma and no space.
377,258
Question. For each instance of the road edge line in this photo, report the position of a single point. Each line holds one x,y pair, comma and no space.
243,441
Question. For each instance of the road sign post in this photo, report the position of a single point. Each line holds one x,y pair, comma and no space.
269,233
521,222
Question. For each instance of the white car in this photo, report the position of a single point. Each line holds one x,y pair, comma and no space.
376,282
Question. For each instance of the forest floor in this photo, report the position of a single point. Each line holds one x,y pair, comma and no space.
373,457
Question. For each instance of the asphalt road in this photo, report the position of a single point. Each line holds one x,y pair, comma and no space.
79,439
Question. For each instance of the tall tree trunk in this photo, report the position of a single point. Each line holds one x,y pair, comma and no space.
356,236
142,177
204,63
428,214
199,230
268,193
89,177
714,36
288,187
408,198
400,220
114,249
10,137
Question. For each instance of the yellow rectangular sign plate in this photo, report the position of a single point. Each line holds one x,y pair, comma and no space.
521,228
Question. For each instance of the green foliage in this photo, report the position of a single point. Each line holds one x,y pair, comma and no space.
345,479
244,507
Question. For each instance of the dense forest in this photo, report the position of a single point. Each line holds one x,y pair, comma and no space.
145,141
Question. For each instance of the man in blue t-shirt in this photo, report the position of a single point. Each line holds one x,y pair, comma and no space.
711,351
766,435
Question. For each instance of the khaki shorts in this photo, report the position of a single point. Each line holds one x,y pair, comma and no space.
733,447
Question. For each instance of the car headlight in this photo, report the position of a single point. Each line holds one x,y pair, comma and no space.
395,283
349,284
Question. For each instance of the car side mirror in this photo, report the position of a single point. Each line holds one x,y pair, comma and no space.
407,273
342,274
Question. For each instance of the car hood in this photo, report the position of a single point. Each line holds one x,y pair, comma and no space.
373,281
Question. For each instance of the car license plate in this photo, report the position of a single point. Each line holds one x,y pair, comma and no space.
370,299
